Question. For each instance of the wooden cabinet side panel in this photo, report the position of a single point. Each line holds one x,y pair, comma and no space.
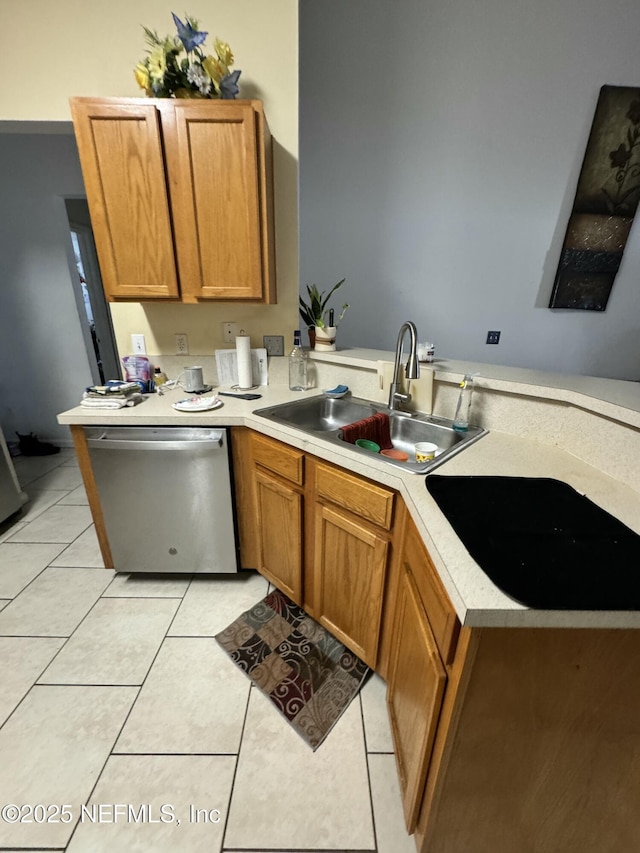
267,206
245,496
545,753
350,562
84,462
120,148
280,521
215,190
416,687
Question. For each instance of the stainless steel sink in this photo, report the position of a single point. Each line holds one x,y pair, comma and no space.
325,417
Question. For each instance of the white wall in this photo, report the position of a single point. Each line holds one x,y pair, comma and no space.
440,147
43,361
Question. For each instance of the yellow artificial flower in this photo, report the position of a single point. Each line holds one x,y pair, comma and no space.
224,52
142,76
214,68
157,63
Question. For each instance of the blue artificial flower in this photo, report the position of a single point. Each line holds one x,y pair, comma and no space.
229,86
189,36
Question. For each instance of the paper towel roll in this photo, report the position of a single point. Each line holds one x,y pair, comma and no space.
243,351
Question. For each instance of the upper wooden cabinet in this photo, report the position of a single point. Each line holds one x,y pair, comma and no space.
181,197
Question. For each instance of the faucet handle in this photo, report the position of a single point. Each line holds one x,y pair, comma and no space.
399,397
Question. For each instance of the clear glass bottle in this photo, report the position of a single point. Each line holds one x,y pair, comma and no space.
298,365
461,417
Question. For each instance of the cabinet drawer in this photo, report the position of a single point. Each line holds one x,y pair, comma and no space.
442,617
361,497
279,458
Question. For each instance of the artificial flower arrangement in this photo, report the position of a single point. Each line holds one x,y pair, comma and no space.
165,74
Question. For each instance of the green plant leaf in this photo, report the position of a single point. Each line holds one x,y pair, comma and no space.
305,313
333,289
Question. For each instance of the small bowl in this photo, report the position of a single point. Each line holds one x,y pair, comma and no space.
365,444
398,455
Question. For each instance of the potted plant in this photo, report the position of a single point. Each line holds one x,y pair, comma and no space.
319,320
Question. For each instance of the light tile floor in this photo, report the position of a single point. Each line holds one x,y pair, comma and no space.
120,714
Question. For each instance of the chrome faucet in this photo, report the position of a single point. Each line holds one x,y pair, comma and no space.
412,370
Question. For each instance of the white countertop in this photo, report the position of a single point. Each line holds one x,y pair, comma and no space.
476,599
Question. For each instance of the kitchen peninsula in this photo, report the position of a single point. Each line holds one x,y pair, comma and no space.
515,729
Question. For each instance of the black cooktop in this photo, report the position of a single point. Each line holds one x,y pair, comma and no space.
542,542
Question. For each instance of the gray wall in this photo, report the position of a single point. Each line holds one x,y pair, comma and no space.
440,147
43,361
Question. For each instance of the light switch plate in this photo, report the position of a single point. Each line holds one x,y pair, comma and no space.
274,344
138,344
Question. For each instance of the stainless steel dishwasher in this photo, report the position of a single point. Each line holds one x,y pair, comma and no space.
166,497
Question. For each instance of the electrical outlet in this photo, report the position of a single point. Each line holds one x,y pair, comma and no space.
182,344
230,332
274,344
493,337
138,344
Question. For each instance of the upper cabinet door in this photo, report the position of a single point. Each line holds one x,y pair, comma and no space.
216,167
120,147
181,197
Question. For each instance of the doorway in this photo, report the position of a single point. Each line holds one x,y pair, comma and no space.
93,310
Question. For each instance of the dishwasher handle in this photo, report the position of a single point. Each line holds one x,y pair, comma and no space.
141,444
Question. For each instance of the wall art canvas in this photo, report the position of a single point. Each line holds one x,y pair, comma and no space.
605,203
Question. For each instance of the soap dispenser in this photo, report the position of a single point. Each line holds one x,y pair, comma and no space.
461,417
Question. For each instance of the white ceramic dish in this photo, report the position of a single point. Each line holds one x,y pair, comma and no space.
197,404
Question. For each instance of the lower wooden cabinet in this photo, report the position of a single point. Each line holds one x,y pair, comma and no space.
269,481
414,696
322,535
424,638
280,524
349,567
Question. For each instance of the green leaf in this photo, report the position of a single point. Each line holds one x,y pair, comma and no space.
333,289
305,314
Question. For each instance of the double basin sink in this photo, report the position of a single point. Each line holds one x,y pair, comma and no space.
325,416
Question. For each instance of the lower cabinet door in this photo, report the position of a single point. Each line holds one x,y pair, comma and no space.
350,565
280,525
417,680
